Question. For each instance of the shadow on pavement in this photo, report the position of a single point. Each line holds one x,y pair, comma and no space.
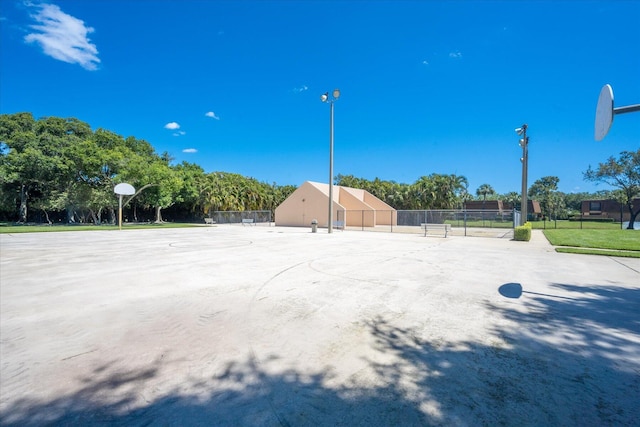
559,361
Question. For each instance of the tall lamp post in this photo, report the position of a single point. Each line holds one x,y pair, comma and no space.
524,143
325,98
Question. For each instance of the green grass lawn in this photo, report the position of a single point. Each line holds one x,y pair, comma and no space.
600,242
13,229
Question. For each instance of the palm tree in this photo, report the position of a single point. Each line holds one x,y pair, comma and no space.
425,192
461,188
484,190
512,198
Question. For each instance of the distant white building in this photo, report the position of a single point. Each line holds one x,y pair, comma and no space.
352,207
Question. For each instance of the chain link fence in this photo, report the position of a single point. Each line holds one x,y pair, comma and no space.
240,217
463,221
498,223
582,221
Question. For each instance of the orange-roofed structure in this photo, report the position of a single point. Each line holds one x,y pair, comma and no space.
352,207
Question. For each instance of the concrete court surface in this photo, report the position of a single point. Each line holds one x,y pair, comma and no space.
271,326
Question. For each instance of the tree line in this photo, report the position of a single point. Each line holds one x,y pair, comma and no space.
58,169
438,191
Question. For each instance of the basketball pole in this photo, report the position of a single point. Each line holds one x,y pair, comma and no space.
120,212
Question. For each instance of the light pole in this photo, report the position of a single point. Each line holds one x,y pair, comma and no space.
325,98
524,143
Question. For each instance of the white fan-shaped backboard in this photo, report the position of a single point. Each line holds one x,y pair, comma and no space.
124,189
604,112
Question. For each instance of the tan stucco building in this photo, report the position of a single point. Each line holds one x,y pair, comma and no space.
351,207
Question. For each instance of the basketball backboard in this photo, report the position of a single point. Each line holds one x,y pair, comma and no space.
604,112
124,189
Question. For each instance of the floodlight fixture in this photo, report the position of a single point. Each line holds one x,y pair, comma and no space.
324,97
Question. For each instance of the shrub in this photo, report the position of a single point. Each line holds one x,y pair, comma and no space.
523,233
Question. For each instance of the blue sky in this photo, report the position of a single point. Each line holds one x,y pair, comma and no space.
426,86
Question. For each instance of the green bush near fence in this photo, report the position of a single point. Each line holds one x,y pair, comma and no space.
522,233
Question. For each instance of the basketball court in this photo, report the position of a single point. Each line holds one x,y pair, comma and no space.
276,326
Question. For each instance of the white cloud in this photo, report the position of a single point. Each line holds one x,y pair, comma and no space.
300,89
189,150
212,115
180,133
172,126
455,54
63,36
